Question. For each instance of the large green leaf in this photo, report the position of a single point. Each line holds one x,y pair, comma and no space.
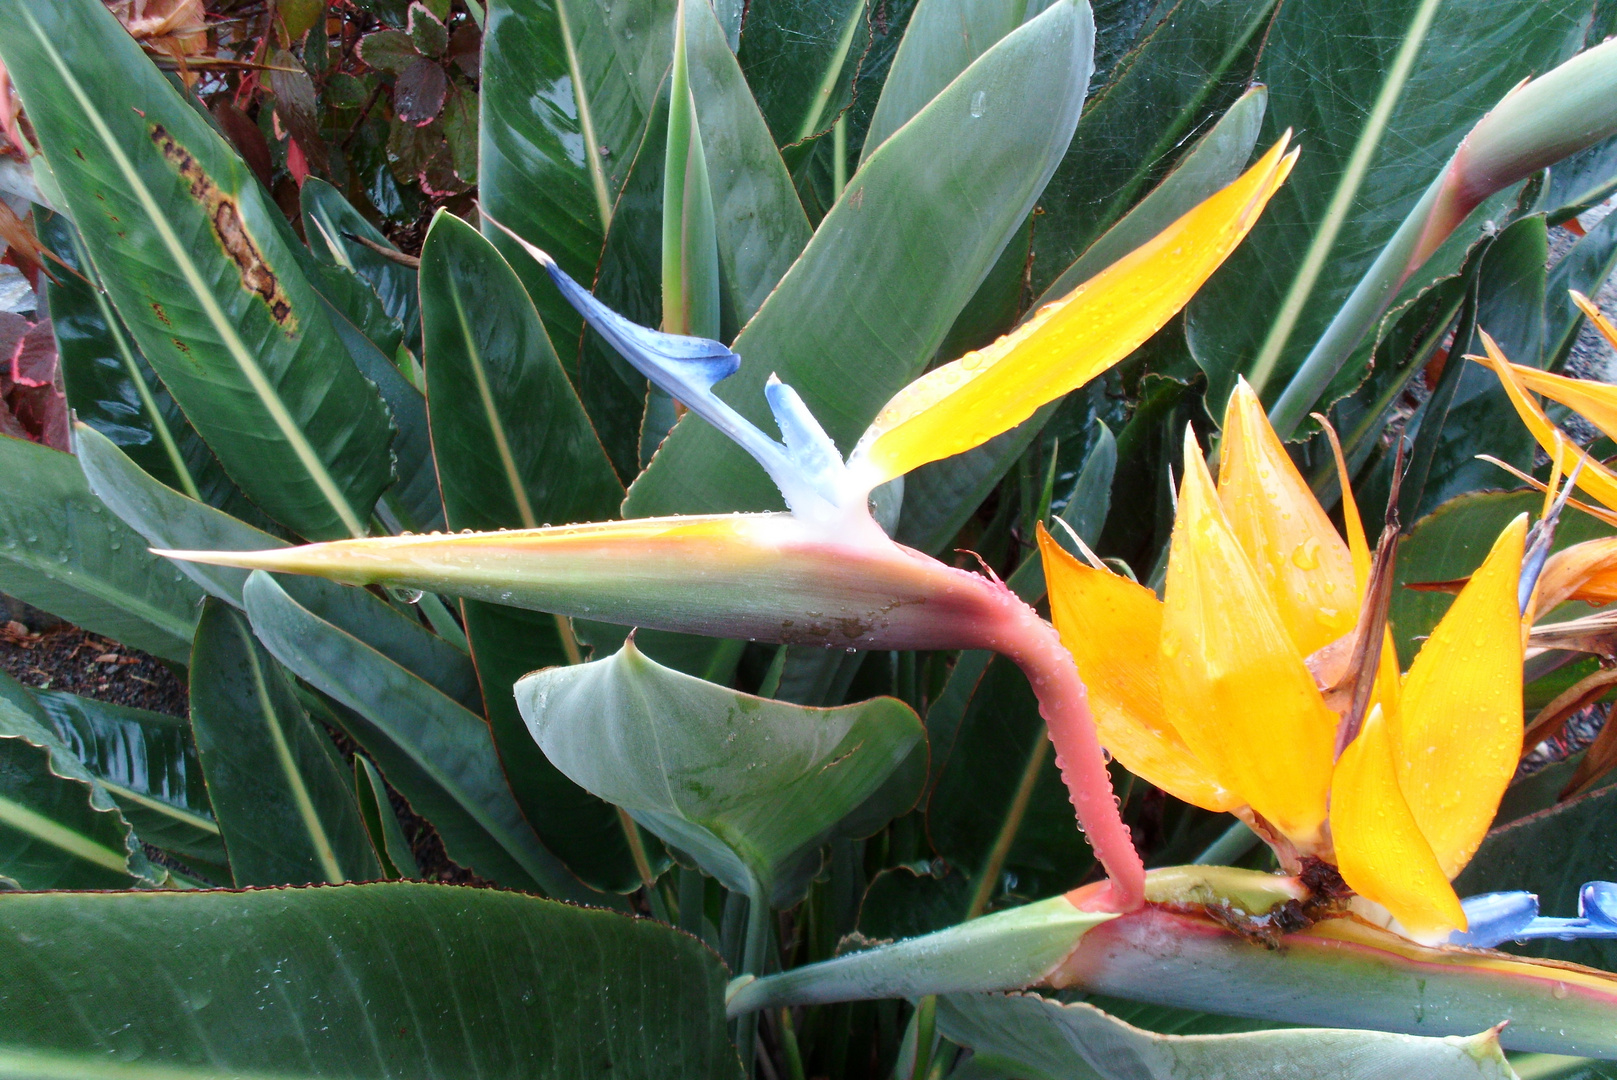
286,814
1034,1038
148,763
750,787
372,981
111,387
381,823
202,268
166,519
58,828
1553,853
944,37
61,550
1197,58
1408,78
801,59
566,89
852,322
514,450
437,754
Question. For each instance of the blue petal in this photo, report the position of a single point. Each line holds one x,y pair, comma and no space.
1495,917
807,470
1512,916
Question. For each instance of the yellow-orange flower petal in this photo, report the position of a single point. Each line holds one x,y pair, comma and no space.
1295,549
1603,324
1380,850
1233,683
1594,477
1586,571
1357,545
965,403
1597,401
1458,736
1113,628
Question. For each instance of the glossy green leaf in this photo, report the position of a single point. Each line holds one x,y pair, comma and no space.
801,60
1408,79
1193,62
61,550
749,787
285,812
1552,853
566,89
396,979
58,828
381,823
436,753
109,384
901,903
1034,1038
350,297
944,37
1450,543
332,241
221,311
1582,181
148,763
515,450
849,324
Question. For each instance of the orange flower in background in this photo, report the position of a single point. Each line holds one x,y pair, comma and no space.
1220,693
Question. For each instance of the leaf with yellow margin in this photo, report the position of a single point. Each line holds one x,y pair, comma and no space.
1380,851
1233,682
965,403
1459,734
1295,549
1113,628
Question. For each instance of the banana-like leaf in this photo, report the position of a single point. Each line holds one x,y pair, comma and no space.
286,814
749,787
63,551
58,828
565,93
436,753
515,450
147,762
801,60
333,240
1035,1038
109,384
1408,78
850,323
690,248
944,37
202,269
394,979
387,836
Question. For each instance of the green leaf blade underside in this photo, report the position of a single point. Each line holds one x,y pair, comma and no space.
437,754
58,828
285,812
1370,148
64,552
849,324
373,981
394,283
1035,1038
202,269
515,450
750,787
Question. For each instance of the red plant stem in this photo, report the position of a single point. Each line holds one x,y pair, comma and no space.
1019,633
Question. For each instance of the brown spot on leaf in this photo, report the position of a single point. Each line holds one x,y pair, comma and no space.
162,316
224,214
